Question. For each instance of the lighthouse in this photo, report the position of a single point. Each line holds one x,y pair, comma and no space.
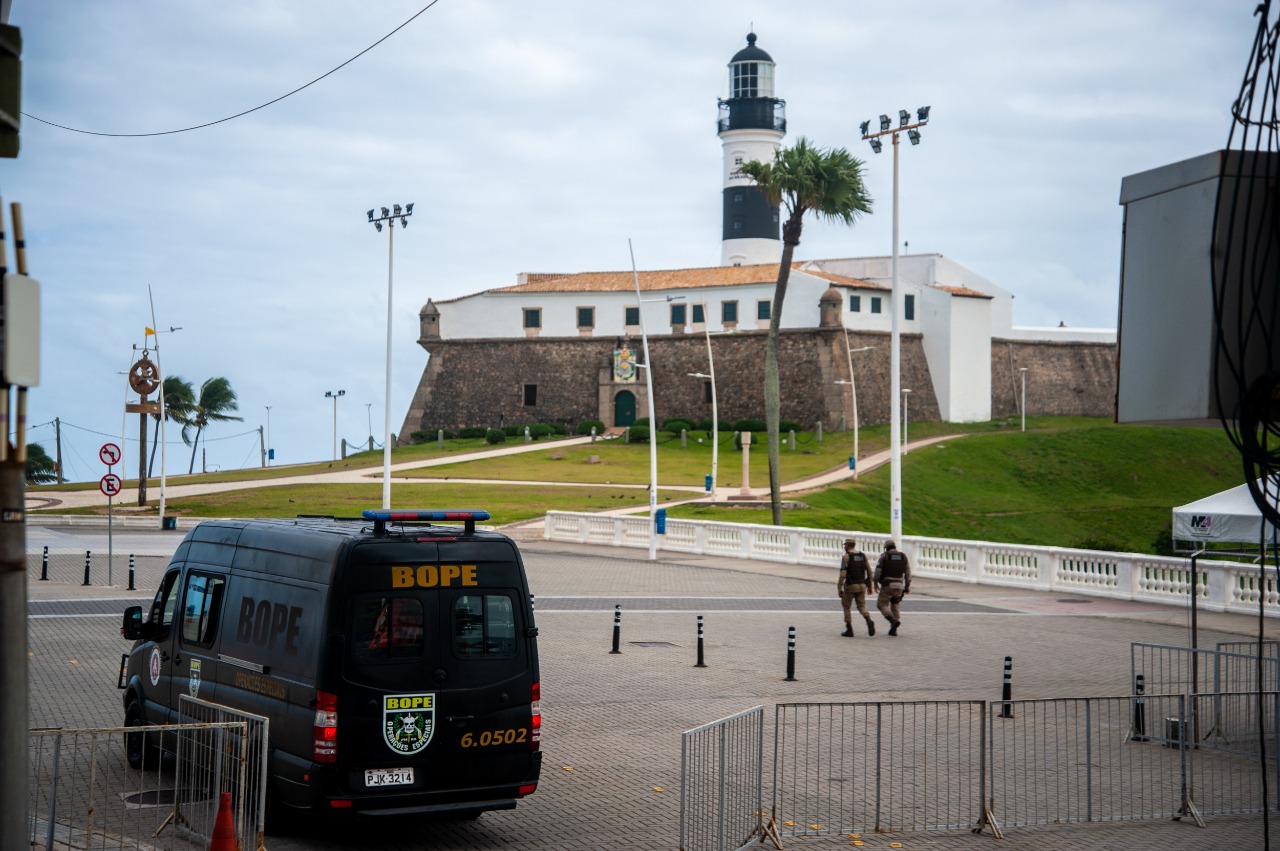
751,126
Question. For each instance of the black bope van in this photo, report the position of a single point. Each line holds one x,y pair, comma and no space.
396,659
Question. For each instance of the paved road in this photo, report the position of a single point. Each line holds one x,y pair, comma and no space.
612,723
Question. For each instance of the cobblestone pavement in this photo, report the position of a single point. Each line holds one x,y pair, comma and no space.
612,723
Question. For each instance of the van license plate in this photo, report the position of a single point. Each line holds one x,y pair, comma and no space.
388,777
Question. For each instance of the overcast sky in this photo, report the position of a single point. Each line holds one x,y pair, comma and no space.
538,136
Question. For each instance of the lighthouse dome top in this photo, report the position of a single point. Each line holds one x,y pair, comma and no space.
751,53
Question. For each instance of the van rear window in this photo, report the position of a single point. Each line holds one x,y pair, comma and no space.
484,625
388,629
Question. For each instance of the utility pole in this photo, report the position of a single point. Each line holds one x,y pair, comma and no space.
57,442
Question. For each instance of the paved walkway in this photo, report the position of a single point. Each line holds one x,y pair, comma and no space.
612,723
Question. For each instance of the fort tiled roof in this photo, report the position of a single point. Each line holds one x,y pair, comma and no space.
668,279
962,292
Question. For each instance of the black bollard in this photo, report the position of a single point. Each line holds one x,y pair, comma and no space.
1006,708
617,627
44,566
701,662
131,588
1139,731
88,557
791,654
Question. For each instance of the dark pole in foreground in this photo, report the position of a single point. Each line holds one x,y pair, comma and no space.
1139,731
88,559
617,627
131,588
701,662
44,566
1006,708
791,654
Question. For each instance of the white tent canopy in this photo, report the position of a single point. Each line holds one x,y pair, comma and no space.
1227,517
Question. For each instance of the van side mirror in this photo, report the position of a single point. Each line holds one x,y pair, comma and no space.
131,628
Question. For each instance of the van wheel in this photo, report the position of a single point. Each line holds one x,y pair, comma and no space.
139,750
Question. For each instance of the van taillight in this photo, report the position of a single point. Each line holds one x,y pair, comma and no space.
326,728
535,738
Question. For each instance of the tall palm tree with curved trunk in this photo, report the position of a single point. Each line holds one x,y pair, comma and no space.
216,401
179,397
806,179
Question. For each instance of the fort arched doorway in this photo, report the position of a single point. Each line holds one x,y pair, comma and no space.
624,409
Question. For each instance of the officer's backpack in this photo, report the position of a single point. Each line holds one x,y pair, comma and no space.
856,569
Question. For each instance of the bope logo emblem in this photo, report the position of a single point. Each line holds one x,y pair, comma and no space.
408,722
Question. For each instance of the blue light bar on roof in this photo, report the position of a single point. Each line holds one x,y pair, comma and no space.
471,515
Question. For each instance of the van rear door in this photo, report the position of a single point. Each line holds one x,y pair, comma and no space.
438,678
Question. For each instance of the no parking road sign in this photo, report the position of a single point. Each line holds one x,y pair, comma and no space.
110,454
110,484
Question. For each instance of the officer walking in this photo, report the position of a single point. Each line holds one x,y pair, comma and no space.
893,575
853,585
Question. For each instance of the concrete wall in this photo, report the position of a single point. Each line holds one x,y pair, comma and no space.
1063,379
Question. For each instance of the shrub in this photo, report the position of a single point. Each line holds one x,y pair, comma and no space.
788,425
558,428
585,427
495,435
705,425
675,426
472,432
538,430
420,436
643,421
750,425
639,434
513,430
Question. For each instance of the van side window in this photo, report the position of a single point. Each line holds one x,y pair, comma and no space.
165,604
387,629
201,607
484,625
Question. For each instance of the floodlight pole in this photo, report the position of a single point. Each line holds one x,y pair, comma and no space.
388,216
895,344
334,394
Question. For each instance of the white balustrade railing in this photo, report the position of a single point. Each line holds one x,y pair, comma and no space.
1223,586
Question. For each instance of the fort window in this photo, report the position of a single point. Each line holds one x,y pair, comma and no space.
762,309
532,317
699,315
530,395
586,317
909,307
855,304
875,304
632,316
678,313
728,311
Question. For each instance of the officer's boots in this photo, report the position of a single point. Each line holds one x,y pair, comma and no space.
871,627
848,630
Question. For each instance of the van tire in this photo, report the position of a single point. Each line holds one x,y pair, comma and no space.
139,749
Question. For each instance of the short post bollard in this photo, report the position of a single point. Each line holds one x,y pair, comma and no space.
88,557
1138,733
440,438
131,588
701,659
44,566
791,654
1006,695
617,627
792,436
817,430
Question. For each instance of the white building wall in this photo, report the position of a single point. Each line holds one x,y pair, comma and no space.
739,147
957,345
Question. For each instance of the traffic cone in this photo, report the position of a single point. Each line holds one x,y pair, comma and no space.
224,827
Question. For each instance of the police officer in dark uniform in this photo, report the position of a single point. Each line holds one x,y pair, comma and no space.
893,575
853,586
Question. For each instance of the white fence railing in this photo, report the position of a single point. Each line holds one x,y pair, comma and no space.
1222,586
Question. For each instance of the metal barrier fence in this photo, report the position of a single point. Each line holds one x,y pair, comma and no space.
234,762
722,783
1167,669
83,793
878,767
895,767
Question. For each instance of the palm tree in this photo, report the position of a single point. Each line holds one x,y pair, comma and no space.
179,397
806,179
216,400
40,469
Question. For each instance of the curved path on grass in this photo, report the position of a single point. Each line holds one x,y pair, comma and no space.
62,500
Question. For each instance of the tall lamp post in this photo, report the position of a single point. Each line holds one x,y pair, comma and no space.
270,451
853,392
895,382
1023,369
388,216
334,394
715,413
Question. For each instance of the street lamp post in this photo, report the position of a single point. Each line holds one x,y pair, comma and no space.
895,379
1023,369
388,216
853,392
334,394
715,413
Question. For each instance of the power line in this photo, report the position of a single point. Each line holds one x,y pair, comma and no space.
245,112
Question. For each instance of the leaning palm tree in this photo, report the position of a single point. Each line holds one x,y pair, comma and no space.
179,397
806,179
40,468
216,400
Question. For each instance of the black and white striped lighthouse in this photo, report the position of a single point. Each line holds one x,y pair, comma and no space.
752,124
